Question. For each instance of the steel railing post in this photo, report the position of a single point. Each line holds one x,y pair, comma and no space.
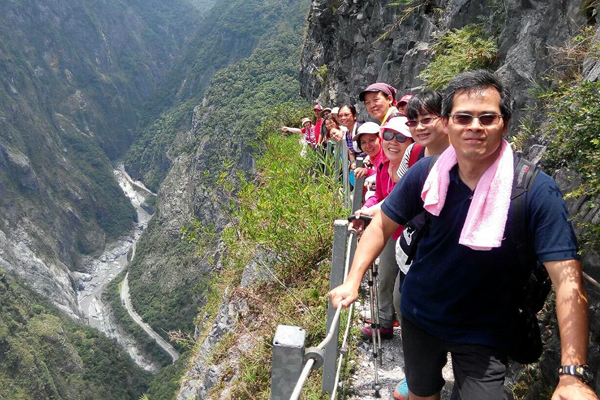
338,255
358,187
345,173
288,357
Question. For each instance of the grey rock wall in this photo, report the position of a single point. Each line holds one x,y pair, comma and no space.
348,41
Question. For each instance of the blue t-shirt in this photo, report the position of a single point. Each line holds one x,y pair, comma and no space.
464,295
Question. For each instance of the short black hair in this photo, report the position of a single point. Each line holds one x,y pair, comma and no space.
473,81
426,102
351,108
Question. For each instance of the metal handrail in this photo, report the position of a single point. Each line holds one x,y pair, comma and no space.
309,364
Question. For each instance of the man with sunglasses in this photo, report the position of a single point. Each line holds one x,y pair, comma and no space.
457,297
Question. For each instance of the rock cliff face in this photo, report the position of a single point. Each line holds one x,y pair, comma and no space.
346,37
73,75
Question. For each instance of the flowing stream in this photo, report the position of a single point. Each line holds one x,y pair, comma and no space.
105,268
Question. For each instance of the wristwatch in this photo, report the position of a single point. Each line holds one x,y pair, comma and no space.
582,372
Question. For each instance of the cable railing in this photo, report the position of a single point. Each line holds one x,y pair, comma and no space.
291,363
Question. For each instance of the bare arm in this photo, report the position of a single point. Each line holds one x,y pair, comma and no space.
291,130
573,323
369,247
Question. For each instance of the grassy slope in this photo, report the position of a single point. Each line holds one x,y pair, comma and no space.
288,210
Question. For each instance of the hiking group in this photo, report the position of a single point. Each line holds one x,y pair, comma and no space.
439,161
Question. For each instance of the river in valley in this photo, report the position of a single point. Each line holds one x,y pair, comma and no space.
105,268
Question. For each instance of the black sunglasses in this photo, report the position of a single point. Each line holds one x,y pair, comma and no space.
424,121
467,119
389,135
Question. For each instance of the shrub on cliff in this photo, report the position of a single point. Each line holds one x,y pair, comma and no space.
573,141
457,51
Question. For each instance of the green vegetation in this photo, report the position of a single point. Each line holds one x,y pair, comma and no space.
287,211
457,51
321,72
573,142
572,111
263,58
151,147
161,303
112,210
222,145
573,133
165,385
46,356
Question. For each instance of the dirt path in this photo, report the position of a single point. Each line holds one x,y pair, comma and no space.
391,369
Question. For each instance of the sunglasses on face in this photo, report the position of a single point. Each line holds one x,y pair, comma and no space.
423,121
389,135
467,119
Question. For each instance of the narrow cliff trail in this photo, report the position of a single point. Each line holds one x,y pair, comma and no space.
391,368
126,300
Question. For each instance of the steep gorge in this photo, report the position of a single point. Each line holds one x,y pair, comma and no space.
71,102
74,75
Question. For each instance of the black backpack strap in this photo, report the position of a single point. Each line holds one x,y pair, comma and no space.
524,175
432,163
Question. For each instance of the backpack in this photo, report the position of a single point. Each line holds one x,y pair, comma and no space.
534,283
415,229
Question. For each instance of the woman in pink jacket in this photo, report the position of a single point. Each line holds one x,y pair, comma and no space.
396,138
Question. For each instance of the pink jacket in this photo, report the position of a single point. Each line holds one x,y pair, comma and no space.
383,186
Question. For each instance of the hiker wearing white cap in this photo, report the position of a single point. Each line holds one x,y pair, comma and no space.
396,138
367,140
308,130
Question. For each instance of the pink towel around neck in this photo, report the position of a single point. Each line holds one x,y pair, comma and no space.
486,219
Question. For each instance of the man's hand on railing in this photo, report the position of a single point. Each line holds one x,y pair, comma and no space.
345,294
358,223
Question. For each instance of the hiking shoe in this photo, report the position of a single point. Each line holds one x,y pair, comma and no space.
385,333
401,390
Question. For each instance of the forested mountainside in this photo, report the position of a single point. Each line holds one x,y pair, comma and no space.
235,30
46,355
74,75
168,276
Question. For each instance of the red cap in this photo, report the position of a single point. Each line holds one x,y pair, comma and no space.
317,107
405,99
